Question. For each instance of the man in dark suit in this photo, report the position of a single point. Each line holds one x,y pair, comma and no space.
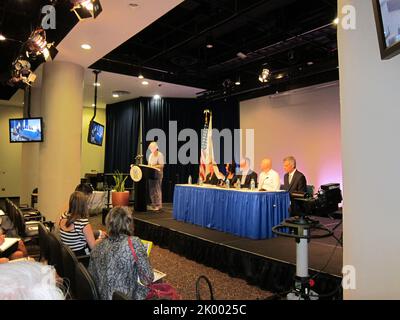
246,174
294,180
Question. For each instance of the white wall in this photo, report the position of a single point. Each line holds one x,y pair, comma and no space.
10,155
303,123
370,112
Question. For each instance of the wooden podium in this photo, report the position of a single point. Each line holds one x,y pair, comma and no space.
140,174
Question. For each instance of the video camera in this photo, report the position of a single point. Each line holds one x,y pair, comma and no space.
325,202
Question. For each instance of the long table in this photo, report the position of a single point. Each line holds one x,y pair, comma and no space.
245,213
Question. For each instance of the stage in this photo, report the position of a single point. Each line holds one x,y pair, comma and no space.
269,264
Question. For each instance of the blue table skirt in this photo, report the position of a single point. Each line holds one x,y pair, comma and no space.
245,214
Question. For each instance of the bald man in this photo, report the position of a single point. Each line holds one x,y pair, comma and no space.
269,178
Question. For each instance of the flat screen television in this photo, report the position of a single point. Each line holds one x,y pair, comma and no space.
387,18
26,130
96,133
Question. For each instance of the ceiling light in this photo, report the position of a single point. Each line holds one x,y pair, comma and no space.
237,82
209,46
97,84
310,63
93,105
37,45
119,93
209,43
85,9
336,21
156,97
241,55
115,95
264,75
145,83
2,38
86,46
280,76
140,76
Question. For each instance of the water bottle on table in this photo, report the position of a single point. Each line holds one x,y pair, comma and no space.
190,179
252,184
227,183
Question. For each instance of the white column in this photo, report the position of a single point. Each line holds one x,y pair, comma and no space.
370,113
30,154
60,153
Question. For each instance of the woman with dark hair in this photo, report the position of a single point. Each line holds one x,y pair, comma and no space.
119,261
230,173
75,229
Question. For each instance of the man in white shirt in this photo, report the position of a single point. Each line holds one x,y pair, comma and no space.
269,178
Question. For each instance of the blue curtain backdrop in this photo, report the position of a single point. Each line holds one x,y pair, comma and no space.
122,135
123,131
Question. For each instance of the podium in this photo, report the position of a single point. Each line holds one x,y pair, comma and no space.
140,174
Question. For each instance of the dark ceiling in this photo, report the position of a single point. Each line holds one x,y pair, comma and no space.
294,38
18,18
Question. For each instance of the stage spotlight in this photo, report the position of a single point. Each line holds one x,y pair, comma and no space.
37,45
2,38
85,9
264,75
21,72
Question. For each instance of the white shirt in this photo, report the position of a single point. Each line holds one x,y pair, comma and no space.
269,181
153,160
244,175
290,176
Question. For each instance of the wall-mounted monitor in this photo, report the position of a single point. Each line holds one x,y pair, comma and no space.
26,130
387,18
96,133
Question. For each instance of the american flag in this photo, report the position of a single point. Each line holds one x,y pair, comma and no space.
207,153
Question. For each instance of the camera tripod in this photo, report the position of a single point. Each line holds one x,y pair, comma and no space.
300,229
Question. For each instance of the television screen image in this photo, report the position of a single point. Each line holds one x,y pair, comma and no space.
390,10
387,17
96,133
26,130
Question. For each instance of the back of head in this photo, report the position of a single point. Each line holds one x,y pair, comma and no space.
85,188
28,280
119,222
78,207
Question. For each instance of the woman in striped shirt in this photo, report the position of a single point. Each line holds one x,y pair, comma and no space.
75,229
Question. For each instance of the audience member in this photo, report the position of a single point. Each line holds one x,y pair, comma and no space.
246,174
75,229
294,180
28,280
19,253
269,178
113,265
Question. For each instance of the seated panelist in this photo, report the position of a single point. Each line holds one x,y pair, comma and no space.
211,178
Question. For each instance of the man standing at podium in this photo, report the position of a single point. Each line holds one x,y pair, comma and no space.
156,160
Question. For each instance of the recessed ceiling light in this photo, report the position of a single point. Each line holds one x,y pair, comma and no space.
96,84
156,96
145,83
336,21
2,38
93,105
209,46
140,76
280,76
310,63
86,46
115,95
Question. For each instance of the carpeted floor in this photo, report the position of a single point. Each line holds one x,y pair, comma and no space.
183,274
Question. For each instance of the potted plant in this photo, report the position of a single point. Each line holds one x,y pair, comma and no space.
119,196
